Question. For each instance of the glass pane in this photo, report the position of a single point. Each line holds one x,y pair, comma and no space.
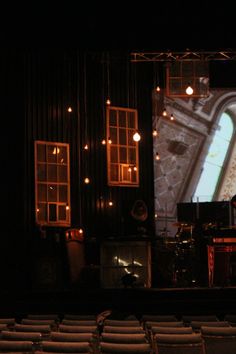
217,151
42,172
62,156
42,212
112,120
52,152
123,155
226,127
125,173
42,192
62,212
131,141
114,175
122,118
207,183
122,137
113,135
63,195
52,193
41,153
114,154
62,174
52,212
132,155
52,173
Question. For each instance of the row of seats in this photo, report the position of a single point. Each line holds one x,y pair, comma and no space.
151,334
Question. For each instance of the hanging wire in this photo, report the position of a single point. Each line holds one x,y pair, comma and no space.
108,76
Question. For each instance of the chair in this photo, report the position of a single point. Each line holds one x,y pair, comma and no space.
167,330
45,330
77,329
124,338
66,347
207,318
158,318
124,348
9,321
196,325
126,323
34,337
16,346
219,340
79,322
122,329
149,324
69,316
179,343
51,322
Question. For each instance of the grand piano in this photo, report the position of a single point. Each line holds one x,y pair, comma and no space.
214,234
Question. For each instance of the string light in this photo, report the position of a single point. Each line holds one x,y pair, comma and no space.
172,117
189,90
136,136
103,141
157,157
164,113
155,132
86,180
69,109
108,102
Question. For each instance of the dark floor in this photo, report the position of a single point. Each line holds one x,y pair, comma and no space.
216,300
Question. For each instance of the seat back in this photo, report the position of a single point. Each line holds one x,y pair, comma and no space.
219,340
179,343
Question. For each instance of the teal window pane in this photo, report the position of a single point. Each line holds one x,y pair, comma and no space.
207,183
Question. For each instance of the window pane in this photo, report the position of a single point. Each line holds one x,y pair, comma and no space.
62,156
52,212
131,120
207,183
114,154
122,118
42,192
130,137
132,155
42,172
114,172
123,155
42,212
52,173
62,212
122,137
63,195
41,152
112,118
217,152
62,174
52,153
52,193
113,135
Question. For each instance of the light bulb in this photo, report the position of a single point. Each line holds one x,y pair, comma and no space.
154,133
157,156
136,136
69,109
189,90
103,141
86,180
164,113
108,102
158,89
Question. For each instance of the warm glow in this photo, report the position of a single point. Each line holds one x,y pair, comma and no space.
81,231
86,147
67,207
129,169
135,168
109,140
189,90
69,109
155,133
164,113
136,136
157,156
172,117
86,180
158,89
103,141
56,150
110,203
108,102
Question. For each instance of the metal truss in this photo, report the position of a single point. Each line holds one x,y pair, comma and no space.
187,55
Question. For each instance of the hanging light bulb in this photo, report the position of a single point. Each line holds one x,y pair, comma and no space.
157,157
154,132
108,102
109,140
69,109
172,117
189,90
86,147
86,180
110,203
136,136
164,113
158,89
103,141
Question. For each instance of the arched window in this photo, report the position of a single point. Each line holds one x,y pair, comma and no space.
214,160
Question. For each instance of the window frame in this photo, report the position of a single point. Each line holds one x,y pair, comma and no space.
125,178
57,206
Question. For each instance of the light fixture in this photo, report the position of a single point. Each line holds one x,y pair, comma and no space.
158,89
172,117
164,113
103,141
109,140
155,132
189,90
136,136
86,147
86,180
157,157
108,102
69,109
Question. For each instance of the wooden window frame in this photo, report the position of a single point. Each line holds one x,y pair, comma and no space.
126,171
52,209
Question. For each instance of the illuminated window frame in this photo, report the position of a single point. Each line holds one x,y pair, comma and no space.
122,151
52,184
183,73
